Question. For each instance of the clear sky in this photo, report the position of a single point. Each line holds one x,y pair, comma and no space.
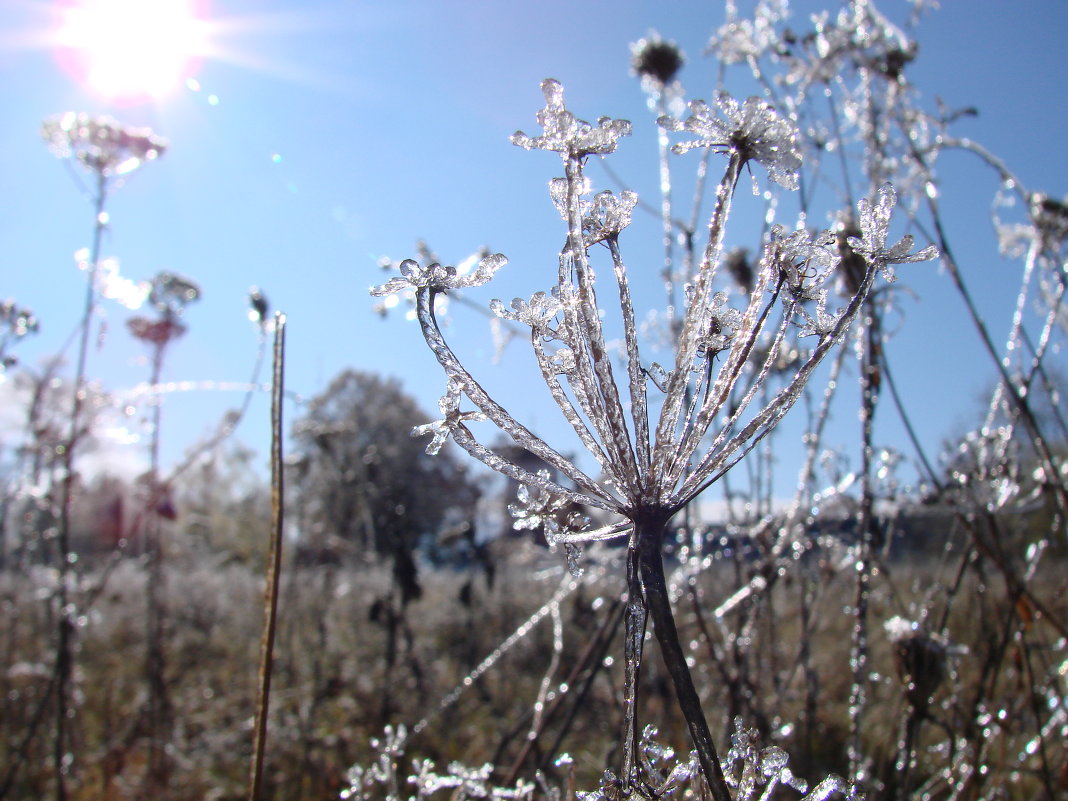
318,136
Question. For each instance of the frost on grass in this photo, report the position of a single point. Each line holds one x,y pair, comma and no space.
753,773
386,777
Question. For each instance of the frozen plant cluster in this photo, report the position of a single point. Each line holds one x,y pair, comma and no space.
384,779
662,453
660,435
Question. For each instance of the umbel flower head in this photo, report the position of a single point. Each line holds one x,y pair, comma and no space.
101,144
652,463
753,129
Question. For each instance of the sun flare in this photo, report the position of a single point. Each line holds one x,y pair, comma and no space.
131,50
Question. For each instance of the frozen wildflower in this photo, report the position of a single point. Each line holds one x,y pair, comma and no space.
723,324
101,144
15,323
874,226
920,659
258,306
754,130
742,39
564,133
740,269
1050,217
171,293
603,218
653,458
538,312
804,259
414,276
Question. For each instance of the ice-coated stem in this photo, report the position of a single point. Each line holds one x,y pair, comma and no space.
634,625
64,645
692,328
649,529
496,413
607,412
639,401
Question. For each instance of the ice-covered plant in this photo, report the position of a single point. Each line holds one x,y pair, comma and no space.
660,436
108,151
15,323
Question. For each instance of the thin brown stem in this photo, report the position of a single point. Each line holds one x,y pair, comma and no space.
274,564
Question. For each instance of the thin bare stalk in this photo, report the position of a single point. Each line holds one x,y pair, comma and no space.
159,706
274,563
64,646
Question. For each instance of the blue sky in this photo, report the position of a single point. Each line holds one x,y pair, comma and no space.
324,134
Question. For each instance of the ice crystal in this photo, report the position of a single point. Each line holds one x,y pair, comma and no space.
875,225
753,129
564,133
749,768
723,324
462,782
383,778
449,404
536,506
364,781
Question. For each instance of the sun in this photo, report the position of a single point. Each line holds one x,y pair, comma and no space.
131,50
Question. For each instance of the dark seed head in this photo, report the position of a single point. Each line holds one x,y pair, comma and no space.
658,59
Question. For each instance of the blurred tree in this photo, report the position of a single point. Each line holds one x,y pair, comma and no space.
223,503
365,486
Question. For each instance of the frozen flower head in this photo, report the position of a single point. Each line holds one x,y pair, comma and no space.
16,322
742,39
435,276
100,143
1050,217
656,60
171,293
603,218
567,135
804,259
753,130
875,225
